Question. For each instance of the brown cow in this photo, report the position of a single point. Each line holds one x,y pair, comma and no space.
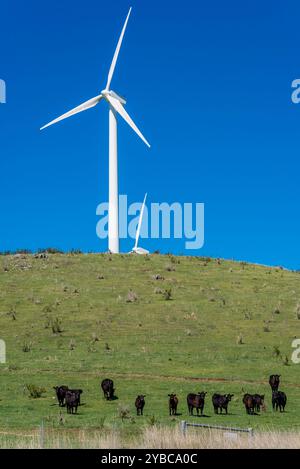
107,386
249,402
274,382
221,402
259,402
61,394
196,401
279,400
140,404
73,401
173,403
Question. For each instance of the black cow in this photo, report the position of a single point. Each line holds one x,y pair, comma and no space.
248,401
140,404
173,403
221,402
61,394
196,401
107,386
73,401
274,382
78,392
279,400
258,402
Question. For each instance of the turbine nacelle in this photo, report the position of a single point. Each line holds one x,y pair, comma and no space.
113,94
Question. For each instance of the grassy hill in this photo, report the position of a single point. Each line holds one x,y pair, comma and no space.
155,325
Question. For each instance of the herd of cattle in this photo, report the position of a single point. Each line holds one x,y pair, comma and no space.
253,402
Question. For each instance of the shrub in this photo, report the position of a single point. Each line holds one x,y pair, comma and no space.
35,391
56,326
61,419
49,251
47,323
240,339
276,351
152,421
206,260
286,361
123,412
72,344
174,260
75,251
167,294
101,423
131,297
157,277
23,251
95,337
248,315
27,347
13,313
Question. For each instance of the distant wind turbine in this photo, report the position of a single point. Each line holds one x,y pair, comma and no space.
136,249
116,106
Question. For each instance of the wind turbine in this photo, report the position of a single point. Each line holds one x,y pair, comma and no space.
136,249
116,106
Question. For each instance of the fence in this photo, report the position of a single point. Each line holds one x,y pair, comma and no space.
184,425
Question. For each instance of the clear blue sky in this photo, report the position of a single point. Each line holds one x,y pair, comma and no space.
209,83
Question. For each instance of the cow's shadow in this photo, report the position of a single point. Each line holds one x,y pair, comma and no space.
114,398
201,416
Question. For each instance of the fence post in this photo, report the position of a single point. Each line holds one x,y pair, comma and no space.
42,435
183,426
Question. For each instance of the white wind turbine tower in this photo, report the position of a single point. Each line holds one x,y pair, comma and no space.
116,106
136,249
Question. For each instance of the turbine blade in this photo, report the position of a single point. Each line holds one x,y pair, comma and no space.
115,57
117,106
138,231
82,107
118,97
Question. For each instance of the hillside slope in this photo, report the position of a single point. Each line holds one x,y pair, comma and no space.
211,325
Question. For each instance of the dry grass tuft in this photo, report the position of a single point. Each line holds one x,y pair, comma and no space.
152,437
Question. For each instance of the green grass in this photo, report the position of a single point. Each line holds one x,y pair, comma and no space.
150,346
